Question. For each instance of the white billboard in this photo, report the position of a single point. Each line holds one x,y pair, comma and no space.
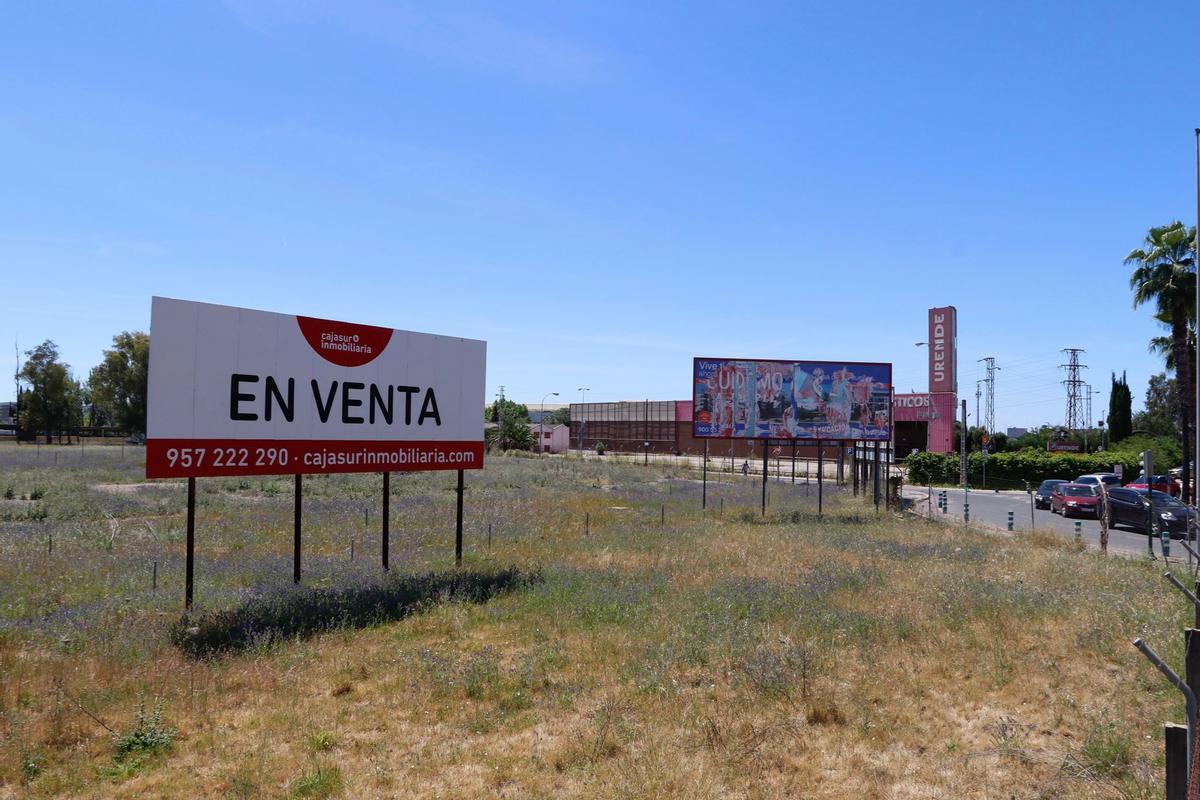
234,391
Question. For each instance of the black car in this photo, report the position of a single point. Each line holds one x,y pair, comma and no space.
1130,507
1041,498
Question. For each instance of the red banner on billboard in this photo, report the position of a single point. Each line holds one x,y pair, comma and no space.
182,458
943,343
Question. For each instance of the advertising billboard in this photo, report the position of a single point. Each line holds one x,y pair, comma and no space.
768,399
943,342
239,392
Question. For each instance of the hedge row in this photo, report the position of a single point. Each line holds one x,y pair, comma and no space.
1012,470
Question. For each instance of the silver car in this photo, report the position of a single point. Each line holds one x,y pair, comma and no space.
1109,479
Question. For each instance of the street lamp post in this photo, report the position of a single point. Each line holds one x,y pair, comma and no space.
1189,492
542,420
500,419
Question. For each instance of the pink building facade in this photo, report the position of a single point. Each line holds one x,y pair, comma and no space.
923,421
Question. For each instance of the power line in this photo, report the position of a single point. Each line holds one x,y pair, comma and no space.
1031,373
1030,402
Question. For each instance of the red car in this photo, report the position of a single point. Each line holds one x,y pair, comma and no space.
1075,498
1159,483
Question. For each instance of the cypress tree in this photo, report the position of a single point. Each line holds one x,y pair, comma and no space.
1120,410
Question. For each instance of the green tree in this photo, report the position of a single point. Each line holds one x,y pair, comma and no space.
117,384
53,402
1160,417
1120,410
561,416
510,434
511,425
1165,275
997,442
503,409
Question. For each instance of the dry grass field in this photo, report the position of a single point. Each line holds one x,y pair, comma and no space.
718,656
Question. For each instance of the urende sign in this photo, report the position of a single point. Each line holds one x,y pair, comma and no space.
943,339
234,391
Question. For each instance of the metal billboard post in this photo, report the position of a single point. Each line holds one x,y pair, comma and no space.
458,522
875,476
820,478
887,477
384,533
191,544
298,494
766,447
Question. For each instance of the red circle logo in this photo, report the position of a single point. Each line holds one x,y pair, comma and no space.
344,343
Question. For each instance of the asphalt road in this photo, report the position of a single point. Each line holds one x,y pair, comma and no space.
991,509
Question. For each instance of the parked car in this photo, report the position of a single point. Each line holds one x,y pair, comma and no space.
1041,498
1159,483
1130,507
1075,498
1109,479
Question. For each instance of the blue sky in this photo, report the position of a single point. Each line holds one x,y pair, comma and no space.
603,190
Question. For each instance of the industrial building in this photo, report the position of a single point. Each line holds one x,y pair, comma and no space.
662,426
920,421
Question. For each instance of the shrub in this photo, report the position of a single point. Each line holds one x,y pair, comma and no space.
321,741
149,734
600,448
301,612
322,782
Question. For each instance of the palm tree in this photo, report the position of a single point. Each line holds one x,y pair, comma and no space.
1165,274
1164,346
